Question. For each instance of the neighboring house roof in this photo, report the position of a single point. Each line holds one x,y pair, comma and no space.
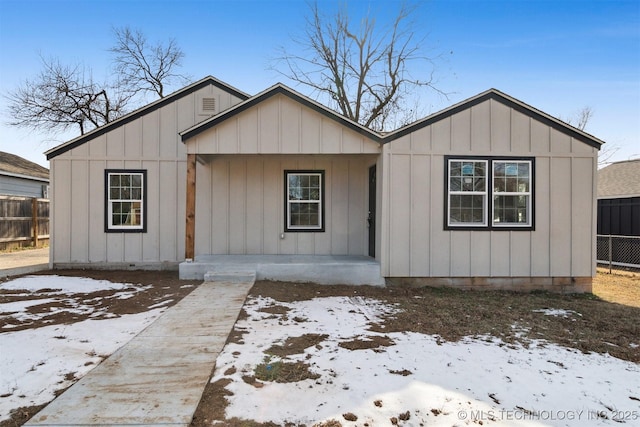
16,166
281,89
620,179
142,111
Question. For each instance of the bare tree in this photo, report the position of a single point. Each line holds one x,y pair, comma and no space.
363,72
580,120
62,97
144,67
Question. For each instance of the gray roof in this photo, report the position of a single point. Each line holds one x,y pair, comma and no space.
10,164
620,179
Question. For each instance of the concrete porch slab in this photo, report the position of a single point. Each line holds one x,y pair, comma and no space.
321,269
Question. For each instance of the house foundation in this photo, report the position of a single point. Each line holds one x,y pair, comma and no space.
564,285
321,269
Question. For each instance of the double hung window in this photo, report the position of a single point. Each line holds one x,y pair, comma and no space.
304,199
125,200
489,193
512,193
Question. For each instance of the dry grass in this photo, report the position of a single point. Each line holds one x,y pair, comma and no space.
602,322
282,371
619,286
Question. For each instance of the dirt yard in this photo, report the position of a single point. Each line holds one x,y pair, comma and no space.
609,320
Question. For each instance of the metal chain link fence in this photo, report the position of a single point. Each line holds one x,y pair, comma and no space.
620,251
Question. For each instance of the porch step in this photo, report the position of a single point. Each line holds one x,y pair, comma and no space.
230,273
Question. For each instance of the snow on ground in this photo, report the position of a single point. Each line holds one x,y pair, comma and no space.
64,284
557,312
34,363
419,380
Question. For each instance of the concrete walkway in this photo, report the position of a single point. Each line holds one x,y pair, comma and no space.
23,262
159,376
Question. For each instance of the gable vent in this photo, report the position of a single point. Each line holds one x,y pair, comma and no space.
208,105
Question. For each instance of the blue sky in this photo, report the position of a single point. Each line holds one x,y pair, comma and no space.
556,55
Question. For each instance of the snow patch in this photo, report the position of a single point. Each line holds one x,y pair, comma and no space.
557,312
446,383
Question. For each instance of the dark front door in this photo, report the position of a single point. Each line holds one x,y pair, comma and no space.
371,218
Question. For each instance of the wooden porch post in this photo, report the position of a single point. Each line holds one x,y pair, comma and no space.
190,230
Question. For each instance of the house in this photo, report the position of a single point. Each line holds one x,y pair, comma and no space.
21,177
619,198
489,193
618,241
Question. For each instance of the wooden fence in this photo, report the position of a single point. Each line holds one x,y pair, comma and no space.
24,221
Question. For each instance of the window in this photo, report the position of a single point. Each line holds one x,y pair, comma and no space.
125,201
467,192
489,193
511,193
304,198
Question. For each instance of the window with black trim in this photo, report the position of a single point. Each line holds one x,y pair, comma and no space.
489,193
125,200
304,200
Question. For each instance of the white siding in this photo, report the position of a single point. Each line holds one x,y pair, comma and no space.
415,243
240,205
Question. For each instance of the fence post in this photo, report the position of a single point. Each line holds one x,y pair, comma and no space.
34,218
610,254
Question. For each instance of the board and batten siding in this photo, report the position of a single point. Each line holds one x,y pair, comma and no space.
414,242
240,181
150,142
280,125
240,205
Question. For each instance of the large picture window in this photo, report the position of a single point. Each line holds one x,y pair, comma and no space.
489,193
125,200
304,199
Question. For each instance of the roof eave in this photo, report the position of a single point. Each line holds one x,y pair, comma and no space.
22,176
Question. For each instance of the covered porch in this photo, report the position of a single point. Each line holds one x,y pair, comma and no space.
286,190
321,269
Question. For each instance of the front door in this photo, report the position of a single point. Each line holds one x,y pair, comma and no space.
371,218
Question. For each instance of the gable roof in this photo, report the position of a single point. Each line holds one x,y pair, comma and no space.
209,80
504,99
279,89
391,136
12,165
620,179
